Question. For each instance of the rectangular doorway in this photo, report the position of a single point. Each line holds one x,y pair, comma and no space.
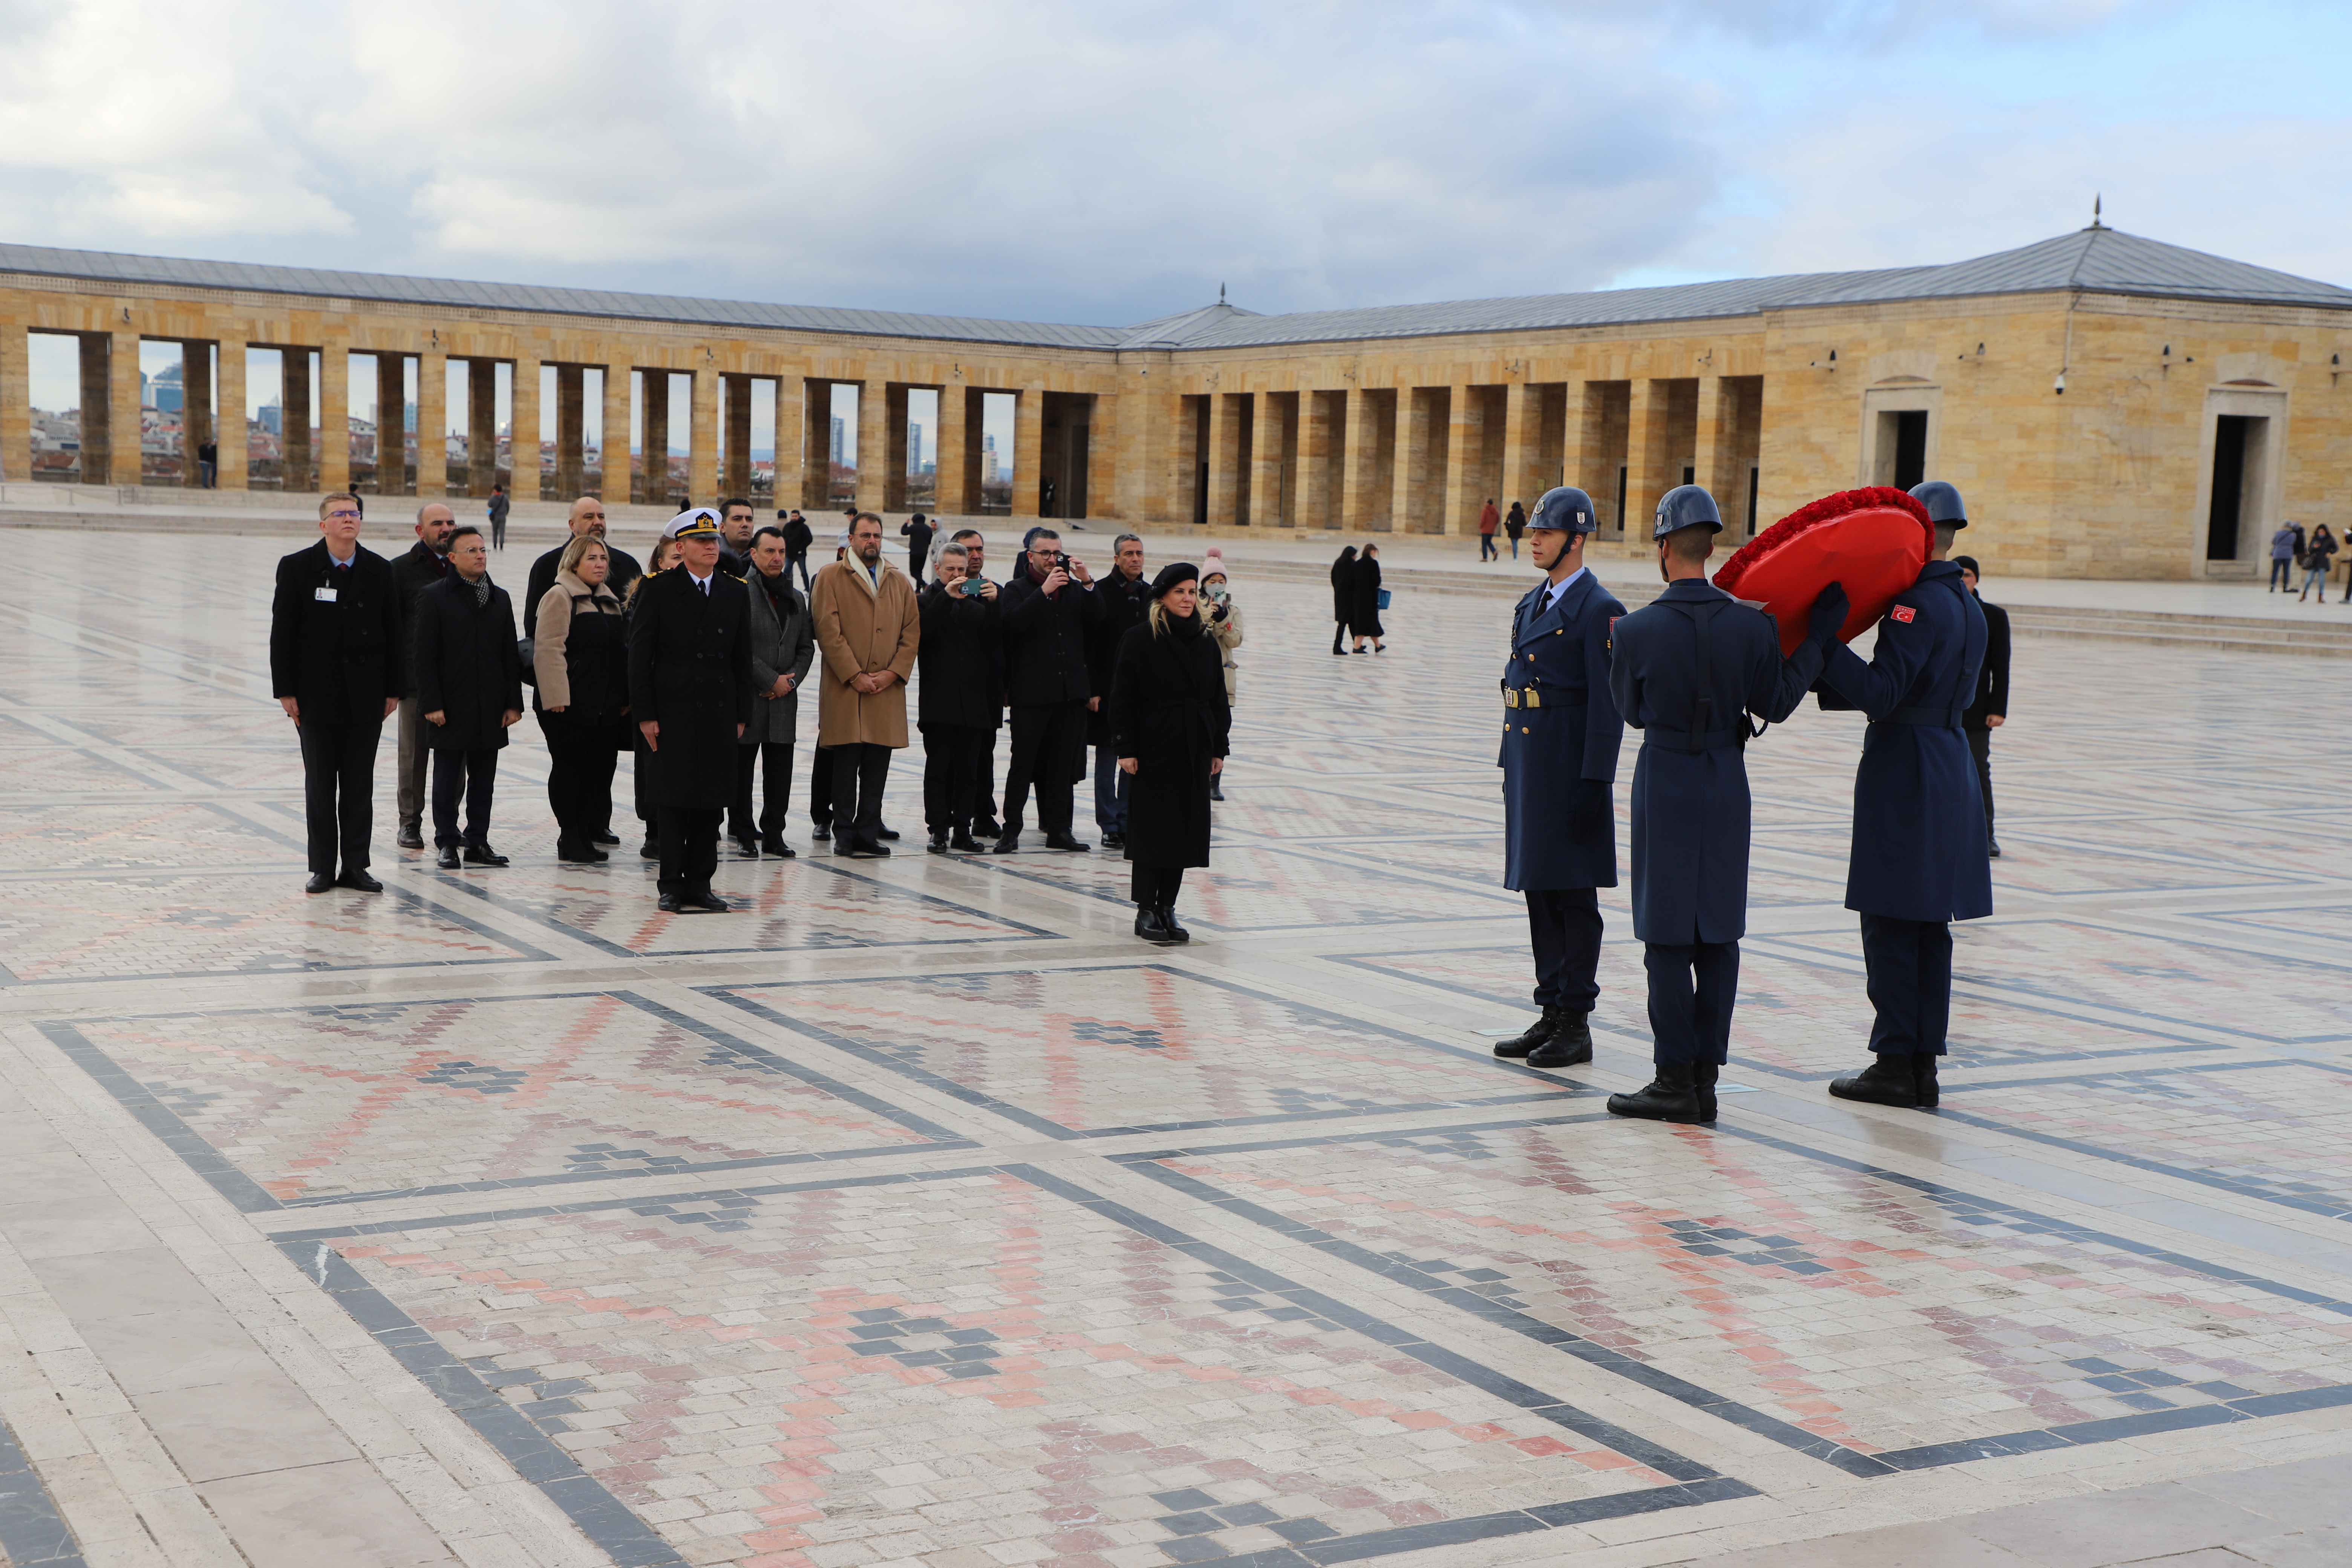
1910,447
2237,438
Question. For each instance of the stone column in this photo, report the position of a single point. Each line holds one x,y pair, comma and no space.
432,426
1714,447
958,490
872,440
524,475
1028,449
1408,503
792,477
334,414
481,427
229,428
894,446
1268,507
654,487
122,406
817,445
1359,481
1523,408
300,467
1466,451
195,408
1104,451
15,402
1315,509
612,442
571,432
1647,438
1225,459
737,478
702,440
392,424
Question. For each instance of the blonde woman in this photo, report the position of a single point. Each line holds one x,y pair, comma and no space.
581,661
1169,724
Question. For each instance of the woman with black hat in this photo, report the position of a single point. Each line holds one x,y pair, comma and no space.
1171,721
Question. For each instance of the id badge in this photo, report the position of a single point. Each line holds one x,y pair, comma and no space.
324,595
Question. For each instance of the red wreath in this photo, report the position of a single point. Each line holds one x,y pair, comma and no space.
1872,541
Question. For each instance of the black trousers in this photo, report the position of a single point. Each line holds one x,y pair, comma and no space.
1155,887
580,762
984,784
689,847
1691,1022
1565,926
951,775
797,560
473,774
1980,748
338,792
1049,748
859,769
640,767
774,761
1909,966
820,788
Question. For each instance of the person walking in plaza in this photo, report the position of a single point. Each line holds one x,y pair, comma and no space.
580,664
690,694
338,665
961,694
662,558
1560,737
587,521
2318,560
1047,616
208,463
984,824
1515,523
470,683
1989,711
783,645
1687,670
1224,619
498,509
1364,614
416,569
736,522
2285,544
1343,598
1170,724
1126,594
797,539
1489,519
868,630
1917,862
917,531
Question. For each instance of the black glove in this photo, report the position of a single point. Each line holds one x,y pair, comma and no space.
1587,811
1827,617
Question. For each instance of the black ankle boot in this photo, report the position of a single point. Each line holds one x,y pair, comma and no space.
1571,1045
1535,1035
1151,927
1168,919
1670,1096
1703,1077
1924,1088
1885,1081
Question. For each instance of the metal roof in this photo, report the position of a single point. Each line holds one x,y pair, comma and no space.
2100,260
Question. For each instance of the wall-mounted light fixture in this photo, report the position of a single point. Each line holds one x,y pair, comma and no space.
2061,389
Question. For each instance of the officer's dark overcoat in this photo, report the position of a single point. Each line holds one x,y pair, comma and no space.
1918,819
690,671
1690,781
1562,654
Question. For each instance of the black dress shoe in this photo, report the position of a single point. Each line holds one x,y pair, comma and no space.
1009,843
608,837
318,883
987,828
963,843
1168,919
1571,1045
483,855
1216,788
448,859
863,849
748,847
1925,1089
1151,926
1535,1035
361,882
1672,1096
414,838
889,832
709,901
649,851
1062,841
1113,840
822,833
1341,653
570,853
777,849
1994,846
938,842
670,904
1887,1081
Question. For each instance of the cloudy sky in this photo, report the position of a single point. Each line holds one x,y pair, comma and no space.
1069,161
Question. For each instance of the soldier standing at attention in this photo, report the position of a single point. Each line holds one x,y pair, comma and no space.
690,693
1560,735
1920,858
1687,670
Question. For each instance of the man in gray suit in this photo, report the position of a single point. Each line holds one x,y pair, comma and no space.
783,644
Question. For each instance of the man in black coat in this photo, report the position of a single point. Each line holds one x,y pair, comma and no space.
469,685
1989,711
690,692
420,566
587,517
961,695
1046,622
1125,594
983,792
338,665
918,530
499,507
798,537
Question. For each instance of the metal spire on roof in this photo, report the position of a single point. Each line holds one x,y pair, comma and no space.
2096,201
1220,293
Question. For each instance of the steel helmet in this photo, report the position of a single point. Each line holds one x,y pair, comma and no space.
1686,506
1945,508
1566,508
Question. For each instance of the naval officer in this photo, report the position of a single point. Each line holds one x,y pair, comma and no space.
1919,859
1560,736
1688,670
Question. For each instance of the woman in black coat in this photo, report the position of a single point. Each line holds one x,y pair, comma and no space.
1364,600
1170,724
469,689
1343,596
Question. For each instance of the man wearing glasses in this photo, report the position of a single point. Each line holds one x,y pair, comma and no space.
338,665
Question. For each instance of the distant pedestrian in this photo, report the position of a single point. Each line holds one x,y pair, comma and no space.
1343,598
208,463
1364,601
1989,711
1173,724
1515,526
2318,560
783,645
580,658
417,568
498,516
798,537
1489,521
470,684
918,530
2286,545
867,632
1224,618
962,694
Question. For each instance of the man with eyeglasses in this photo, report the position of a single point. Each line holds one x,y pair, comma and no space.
338,667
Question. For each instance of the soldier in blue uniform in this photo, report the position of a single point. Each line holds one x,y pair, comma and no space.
1920,858
1559,759
1688,670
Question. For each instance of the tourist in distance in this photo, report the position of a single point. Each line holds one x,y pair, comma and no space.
416,569
1126,594
783,645
580,658
2318,560
470,684
338,665
2286,543
984,824
1224,618
690,697
587,518
1687,670
499,507
917,531
663,557
1989,711
1489,519
867,632
1170,724
1515,523
797,539
1343,598
961,694
1047,614
1560,737
1364,600
1916,864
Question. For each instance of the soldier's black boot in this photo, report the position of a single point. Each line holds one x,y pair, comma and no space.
1571,1045
1924,1088
1672,1096
1887,1081
1703,1075
1536,1035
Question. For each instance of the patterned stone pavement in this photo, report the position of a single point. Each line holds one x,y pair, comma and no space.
915,1214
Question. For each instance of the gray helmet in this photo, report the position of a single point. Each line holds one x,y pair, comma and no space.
1945,508
1566,508
1686,506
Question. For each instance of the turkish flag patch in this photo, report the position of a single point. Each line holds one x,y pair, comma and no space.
1903,613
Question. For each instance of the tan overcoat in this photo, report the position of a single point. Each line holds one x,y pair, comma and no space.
862,628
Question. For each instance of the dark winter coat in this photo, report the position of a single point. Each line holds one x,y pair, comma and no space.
467,667
1169,712
797,537
1343,584
961,660
1562,653
1046,642
1992,680
1516,523
1364,600
338,657
579,654
413,570
690,672
783,642
1123,608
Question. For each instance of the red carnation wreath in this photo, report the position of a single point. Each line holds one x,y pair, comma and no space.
1872,541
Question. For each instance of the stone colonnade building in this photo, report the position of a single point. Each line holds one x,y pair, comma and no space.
2111,406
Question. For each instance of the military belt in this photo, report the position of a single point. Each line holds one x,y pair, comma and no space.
1926,718
1529,697
1693,740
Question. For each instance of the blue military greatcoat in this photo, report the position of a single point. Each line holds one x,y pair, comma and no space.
1558,728
1688,670
1918,819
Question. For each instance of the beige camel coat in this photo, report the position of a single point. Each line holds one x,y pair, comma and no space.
861,628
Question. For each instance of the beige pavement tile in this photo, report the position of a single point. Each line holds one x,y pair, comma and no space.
320,1513
2117,1527
255,1424
2304,1549
186,1348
